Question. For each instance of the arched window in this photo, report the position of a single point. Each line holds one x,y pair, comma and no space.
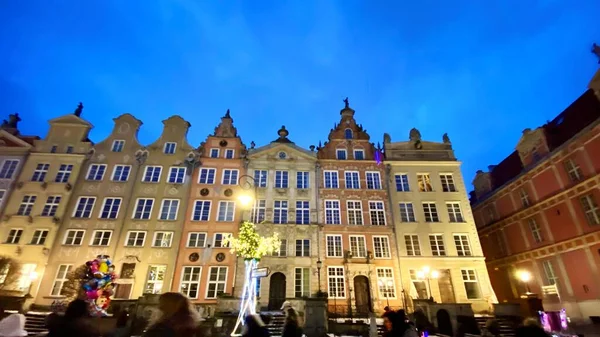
348,134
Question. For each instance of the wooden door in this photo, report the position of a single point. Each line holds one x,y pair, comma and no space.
362,294
276,291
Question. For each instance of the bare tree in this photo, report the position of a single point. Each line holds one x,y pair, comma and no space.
10,273
72,288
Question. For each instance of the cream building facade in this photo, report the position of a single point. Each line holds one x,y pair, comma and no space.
440,255
285,203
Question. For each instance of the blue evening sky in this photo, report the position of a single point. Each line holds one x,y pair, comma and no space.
480,70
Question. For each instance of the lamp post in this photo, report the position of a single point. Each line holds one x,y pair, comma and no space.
385,290
32,277
524,276
319,266
427,274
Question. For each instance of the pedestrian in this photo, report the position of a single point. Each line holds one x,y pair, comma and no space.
177,317
492,329
75,322
254,327
13,326
292,326
531,328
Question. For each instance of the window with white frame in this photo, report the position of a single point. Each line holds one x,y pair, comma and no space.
40,172
281,179
14,236
331,179
354,210
524,196
302,212
110,209
419,284
430,211
229,154
280,211
121,173
170,148
135,239
352,179
155,279
152,174
84,207
402,182
53,149
358,246
39,237
196,240
381,247
101,238
301,282
190,281
96,172
341,154
217,280
334,245
413,246
436,241
282,251
359,155
261,177
549,274
302,181
471,285
463,248
454,212
176,175
377,213
26,205
51,205
590,208
201,210
373,180
214,153
117,145
536,230
385,281
573,170
207,176
259,210
226,211
230,177
162,239
9,167
169,209
219,240
336,284
303,247
74,237
332,212
491,212
424,182
60,279
143,209
407,212
64,173
69,149
447,182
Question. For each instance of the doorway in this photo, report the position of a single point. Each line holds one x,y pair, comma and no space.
444,323
362,294
276,291
446,287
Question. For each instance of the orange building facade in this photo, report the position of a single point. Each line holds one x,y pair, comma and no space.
537,212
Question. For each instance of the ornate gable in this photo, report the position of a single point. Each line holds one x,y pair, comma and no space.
532,145
126,127
281,148
225,137
226,129
175,129
9,140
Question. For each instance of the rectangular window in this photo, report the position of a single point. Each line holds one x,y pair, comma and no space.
207,176
101,238
170,148
229,154
471,285
590,208
218,241
69,149
176,175
230,177
536,230
74,237
9,167
196,240
281,179
121,173
303,247
155,279
334,246
152,174
135,239
331,179
60,279
447,182
354,210
190,281
280,211
413,246
402,182
84,207
352,179
359,155
282,251
385,281
162,239
169,209
341,154
332,212
430,211
214,153
358,246
39,237
454,212
302,179
261,177
40,172
110,209
14,236
64,173
26,205
117,145
226,211
549,274
96,172
461,241
524,196
381,246
217,279
2,195
301,282
259,211
302,213
373,180
143,209
573,170
407,213
53,149
201,210
377,213
424,182
436,241
336,284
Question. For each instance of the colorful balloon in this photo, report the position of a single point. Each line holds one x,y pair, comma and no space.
98,284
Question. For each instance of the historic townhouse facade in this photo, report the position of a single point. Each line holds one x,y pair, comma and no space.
285,202
537,211
360,270
205,267
98,208
439,251
40,201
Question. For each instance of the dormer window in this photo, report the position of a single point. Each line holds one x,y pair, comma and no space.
341,154
117,145
214,153
229,153
69,149
359,155
348,133
170,148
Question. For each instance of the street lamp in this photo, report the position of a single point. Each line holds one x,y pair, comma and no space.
247,183
524,276
32,277
319,265
427,274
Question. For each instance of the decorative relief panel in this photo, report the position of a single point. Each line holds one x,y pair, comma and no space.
149,190
173,191
93,252
69,252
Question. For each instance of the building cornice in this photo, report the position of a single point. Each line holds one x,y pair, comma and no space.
455,163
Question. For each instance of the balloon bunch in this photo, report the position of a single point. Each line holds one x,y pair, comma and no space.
99,284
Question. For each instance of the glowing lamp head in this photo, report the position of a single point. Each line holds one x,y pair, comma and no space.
390,283
435,274
380,282
524,275
245,199
426,269
420,274
33,276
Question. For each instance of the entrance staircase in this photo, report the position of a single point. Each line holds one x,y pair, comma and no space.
507,328
276,323
35,323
